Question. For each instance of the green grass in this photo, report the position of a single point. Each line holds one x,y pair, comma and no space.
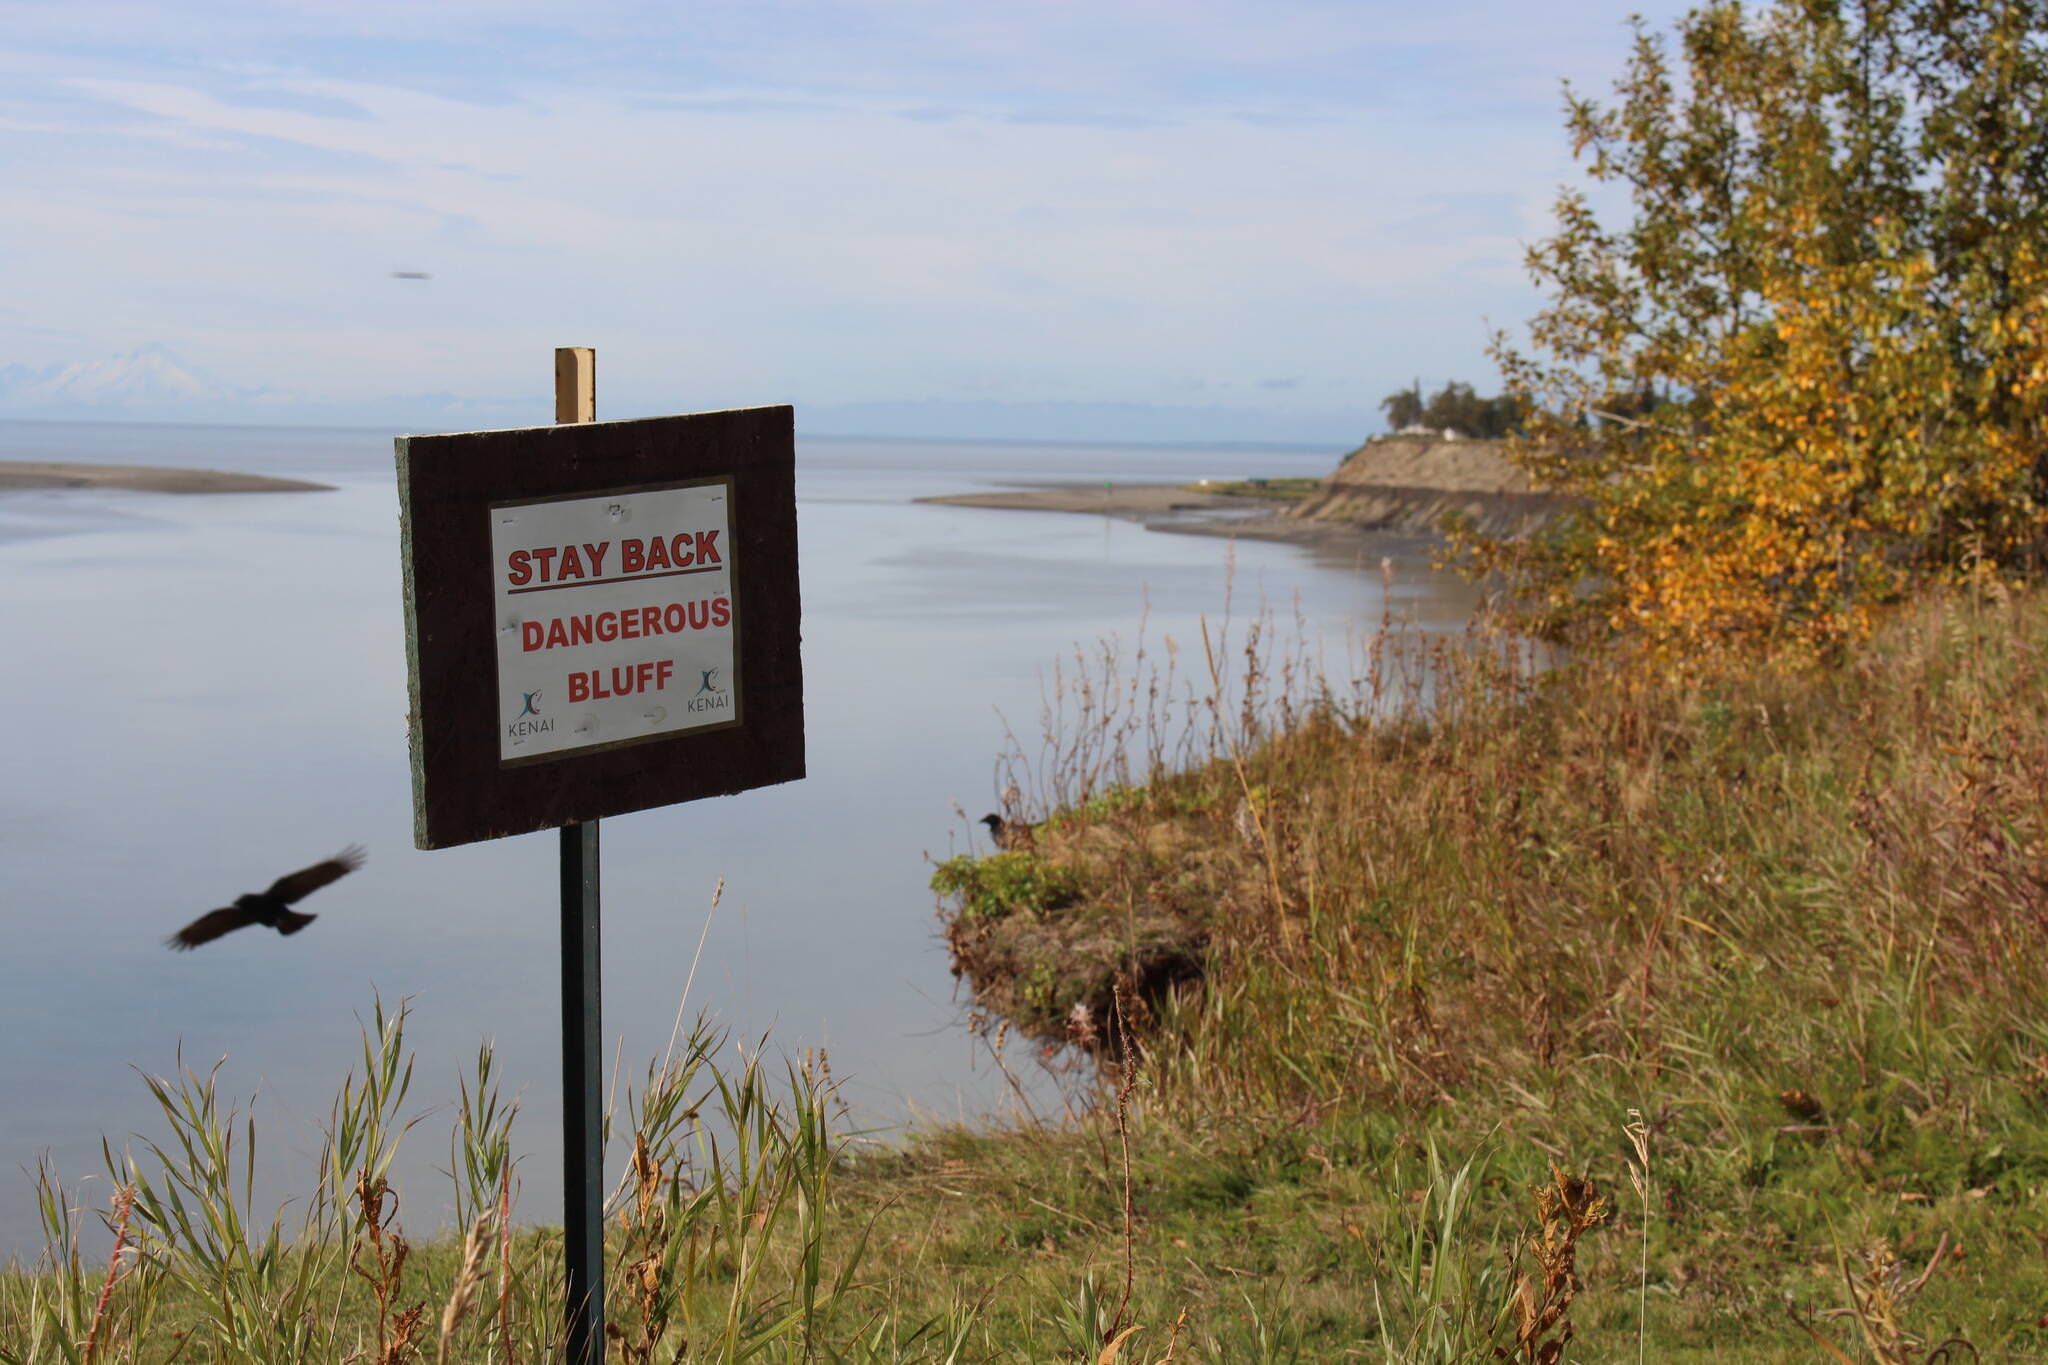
1442,930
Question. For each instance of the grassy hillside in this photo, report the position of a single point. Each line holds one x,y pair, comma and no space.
1468,1009
1794,921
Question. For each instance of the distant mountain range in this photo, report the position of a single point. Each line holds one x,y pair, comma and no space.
153,384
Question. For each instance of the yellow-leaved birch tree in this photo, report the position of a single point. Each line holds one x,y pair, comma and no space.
1811,371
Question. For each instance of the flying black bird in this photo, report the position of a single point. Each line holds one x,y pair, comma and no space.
1010,835
269,907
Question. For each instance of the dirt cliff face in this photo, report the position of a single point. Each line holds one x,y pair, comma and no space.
1465,466
1410,483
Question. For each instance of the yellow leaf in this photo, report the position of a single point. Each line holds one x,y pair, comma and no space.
1116,1343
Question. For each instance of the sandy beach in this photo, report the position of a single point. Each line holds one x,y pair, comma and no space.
23,474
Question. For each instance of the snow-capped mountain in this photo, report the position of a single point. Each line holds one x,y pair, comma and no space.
153,384
150,378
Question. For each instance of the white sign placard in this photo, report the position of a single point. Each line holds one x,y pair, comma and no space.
615,618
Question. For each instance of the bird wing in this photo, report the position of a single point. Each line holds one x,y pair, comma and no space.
307,880
211,926
291,921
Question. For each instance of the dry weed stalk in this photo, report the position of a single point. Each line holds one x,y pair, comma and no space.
476,1245
505,1265
1567,1208
647,1226
1126,1083
997,1040
1638,1134
1261,835
124,1207
1173,1338
397,1329
1880,1293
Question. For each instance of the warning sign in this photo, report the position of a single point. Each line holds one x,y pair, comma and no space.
616,618
601,617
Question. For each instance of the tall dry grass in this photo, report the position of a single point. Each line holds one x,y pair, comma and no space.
1456,916
1453,866
1795,917
717,1235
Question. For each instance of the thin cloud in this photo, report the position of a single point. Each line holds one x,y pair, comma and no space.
1091,204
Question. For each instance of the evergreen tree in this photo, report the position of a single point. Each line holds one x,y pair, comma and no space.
1403,407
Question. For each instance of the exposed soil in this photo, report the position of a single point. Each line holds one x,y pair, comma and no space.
1412,483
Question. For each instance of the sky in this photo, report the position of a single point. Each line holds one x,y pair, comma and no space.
1094,219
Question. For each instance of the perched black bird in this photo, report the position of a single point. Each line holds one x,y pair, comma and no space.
1009,835
269,907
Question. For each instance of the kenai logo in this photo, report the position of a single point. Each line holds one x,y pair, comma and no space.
710,696
529,706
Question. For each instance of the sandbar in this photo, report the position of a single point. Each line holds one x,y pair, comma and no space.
20,474
1164,507
1129,501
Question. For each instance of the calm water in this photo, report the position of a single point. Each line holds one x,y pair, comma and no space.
202,693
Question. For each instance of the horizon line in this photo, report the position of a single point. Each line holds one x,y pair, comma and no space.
387,429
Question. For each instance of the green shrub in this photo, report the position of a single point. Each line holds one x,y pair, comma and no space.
1004,883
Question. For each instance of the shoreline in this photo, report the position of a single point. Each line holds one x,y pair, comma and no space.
24,475
1166,507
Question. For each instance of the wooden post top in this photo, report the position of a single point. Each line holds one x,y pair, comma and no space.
575,384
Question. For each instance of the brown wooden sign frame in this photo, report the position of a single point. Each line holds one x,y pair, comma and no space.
463,790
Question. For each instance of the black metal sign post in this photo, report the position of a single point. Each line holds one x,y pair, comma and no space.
582,1098
582,1008
601,617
